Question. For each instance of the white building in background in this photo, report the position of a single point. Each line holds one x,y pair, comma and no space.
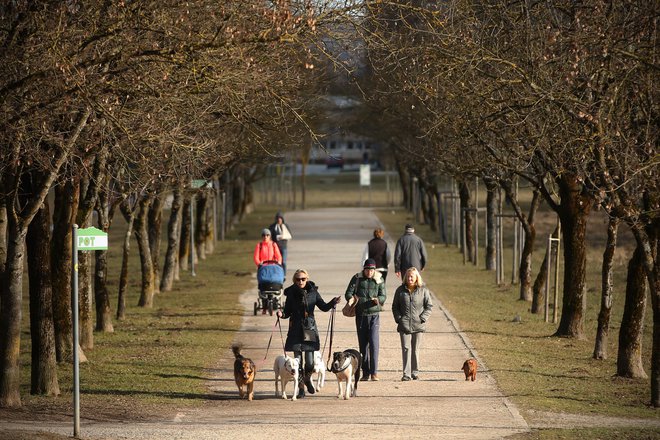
344,150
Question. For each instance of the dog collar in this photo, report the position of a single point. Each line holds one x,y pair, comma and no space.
346,364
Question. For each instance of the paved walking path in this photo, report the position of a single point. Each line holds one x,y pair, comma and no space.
328,243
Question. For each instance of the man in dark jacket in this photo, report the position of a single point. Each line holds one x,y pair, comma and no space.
409,252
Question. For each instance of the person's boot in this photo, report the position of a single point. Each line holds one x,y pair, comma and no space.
309,384
301,391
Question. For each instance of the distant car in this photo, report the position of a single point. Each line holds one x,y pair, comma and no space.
334,162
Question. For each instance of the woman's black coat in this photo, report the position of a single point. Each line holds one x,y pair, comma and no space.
294,308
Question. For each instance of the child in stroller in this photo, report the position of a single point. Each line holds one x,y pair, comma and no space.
270,278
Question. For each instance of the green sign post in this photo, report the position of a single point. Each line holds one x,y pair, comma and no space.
88,239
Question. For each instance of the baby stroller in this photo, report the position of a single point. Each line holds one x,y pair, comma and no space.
270,277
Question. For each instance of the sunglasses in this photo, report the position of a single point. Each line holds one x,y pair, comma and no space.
301,279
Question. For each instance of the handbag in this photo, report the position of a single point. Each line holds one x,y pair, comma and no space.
350,306
309,330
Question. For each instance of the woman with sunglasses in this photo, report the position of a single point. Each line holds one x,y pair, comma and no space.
302,297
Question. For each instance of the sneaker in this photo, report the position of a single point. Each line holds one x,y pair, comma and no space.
415,377
374,377
405,379
365,377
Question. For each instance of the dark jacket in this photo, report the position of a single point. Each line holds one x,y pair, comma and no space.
409,252
294,308
366,290
411,310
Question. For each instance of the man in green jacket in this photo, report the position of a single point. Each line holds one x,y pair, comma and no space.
369,288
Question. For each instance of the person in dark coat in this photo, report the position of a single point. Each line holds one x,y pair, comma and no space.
302,297
409,252
377,249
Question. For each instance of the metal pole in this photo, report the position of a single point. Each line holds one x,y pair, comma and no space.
74,316
476,236
547,279
223,219
192,236
514,268
558,239
464,237
498,221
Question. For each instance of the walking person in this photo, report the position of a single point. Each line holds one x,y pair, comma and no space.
410,252
281,235
266,250
378,250
302,297
369,288
411,308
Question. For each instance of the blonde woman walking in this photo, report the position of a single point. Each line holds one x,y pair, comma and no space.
411,308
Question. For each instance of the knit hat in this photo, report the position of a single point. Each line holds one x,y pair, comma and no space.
369,263
265,231
410,228
279,215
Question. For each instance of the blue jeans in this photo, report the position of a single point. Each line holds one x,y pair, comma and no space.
368,338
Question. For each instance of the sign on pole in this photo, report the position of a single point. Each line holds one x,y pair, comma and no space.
92,239
365,174
88,239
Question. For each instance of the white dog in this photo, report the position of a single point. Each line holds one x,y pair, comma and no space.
286,369
319,370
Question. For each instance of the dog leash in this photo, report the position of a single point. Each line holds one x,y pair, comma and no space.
331,331
270,340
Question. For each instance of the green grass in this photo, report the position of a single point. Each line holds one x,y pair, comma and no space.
536,371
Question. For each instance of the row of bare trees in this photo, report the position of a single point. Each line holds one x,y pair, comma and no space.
561,94
109,107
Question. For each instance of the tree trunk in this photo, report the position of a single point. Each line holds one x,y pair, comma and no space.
11,314
603,332
154,227
3,238
129,215
173,227
66,204
101,294
184,243
146,263
200,224
466,204
42,329
529,228
86,318
573,212
492,209
210,227
629,358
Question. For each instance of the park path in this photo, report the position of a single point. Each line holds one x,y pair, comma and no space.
328,243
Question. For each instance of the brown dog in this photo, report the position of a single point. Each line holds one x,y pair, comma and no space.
470,369
244,373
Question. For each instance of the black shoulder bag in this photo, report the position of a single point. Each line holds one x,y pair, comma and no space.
308,324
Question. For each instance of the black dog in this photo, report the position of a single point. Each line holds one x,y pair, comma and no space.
346,366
